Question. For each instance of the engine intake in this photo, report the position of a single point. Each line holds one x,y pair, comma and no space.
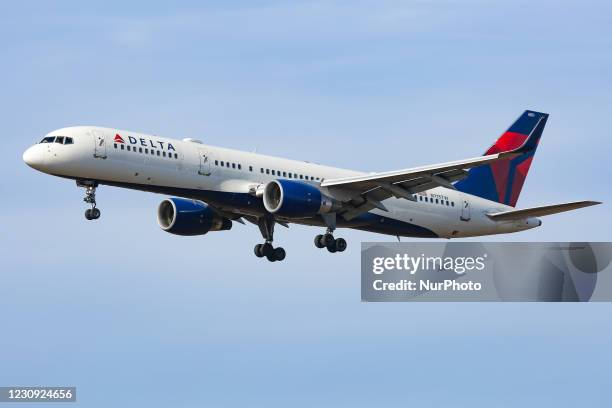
296,199
181,216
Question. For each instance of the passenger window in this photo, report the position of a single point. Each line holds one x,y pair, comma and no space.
49,139
164,154
273,173
250,168
267,171
284,174
233,165
140,150
129,149
115,144
68,140
216,162
301,176
452,203
239,167
59,139
122,147
158,153
290,175
261,168
222,163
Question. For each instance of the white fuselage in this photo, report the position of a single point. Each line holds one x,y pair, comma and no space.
229,179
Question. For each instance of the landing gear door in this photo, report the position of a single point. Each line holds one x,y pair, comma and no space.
465,208
204,169
99,138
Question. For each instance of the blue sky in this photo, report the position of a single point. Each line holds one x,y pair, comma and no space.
136,317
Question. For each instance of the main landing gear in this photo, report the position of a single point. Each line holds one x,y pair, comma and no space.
92,213
328,241
266,226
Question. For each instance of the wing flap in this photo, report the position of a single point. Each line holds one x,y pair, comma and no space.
540,211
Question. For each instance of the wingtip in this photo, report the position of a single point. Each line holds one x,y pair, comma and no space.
588,203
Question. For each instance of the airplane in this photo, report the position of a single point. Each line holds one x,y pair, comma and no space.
212,187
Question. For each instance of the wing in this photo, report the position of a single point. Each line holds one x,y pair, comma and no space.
363,193
540,211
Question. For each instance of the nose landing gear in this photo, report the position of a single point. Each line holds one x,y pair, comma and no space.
328,241
92,213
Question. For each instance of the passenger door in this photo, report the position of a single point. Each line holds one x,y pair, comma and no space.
99,138
205,166
465,208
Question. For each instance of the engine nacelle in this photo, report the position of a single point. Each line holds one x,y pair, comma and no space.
181,216
296,199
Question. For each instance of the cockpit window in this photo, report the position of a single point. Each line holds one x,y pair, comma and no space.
58,139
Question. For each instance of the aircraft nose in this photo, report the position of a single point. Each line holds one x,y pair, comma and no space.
33,157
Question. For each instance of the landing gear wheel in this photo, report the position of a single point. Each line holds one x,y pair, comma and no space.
267,250
328,240
340,244
318,241
259,250
92,214
279,254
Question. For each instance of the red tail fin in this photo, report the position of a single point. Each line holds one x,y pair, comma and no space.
503,180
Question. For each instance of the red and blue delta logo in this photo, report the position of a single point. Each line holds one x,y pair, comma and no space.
156,144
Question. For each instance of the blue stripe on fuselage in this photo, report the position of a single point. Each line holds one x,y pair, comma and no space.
247,203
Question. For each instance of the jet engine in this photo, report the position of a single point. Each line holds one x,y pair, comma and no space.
181,216
296,199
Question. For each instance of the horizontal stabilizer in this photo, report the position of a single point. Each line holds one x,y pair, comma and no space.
540,211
